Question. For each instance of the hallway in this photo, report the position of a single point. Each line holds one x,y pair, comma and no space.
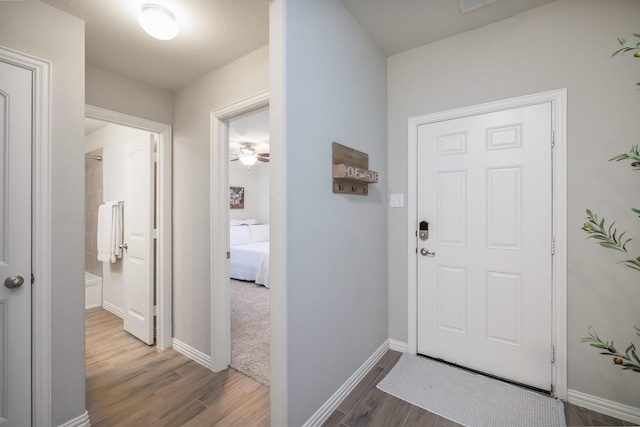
130,383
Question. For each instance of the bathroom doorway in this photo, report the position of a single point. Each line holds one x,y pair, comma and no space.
119,148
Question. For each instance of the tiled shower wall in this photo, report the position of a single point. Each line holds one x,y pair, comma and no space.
93,199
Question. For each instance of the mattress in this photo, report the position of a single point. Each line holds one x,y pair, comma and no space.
250,262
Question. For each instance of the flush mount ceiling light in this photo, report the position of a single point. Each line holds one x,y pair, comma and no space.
158,22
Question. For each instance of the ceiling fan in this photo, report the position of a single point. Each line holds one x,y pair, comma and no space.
249,156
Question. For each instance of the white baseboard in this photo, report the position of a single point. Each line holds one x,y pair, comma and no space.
604,406
81,421
334,401
113,309
192,353
400,346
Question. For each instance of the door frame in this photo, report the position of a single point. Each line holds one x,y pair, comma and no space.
558,99
41,235
163,265
219,225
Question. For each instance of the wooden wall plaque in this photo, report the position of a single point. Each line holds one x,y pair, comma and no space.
351,174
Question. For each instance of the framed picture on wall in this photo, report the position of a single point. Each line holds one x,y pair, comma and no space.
236,197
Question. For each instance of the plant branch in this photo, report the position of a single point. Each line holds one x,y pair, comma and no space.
628,47
608,237
628,360
633,154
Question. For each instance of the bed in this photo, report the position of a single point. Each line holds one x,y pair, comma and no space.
249,253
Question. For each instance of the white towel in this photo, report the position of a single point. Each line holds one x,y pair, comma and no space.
109,231
116,229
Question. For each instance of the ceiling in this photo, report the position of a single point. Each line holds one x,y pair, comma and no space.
212,34
252,128
216,32
400,25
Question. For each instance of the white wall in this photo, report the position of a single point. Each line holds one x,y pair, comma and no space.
42,31
563,44
106,89
333,286
191,176
112,139
255,181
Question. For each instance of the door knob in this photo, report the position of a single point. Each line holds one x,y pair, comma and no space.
13,282
124,246
425,252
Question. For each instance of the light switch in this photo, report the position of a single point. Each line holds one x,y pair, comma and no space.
396,200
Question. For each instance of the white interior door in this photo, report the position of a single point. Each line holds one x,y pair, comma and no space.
138,268
484,273
15,245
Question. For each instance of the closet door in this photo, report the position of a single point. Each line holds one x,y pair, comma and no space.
139,238
15,245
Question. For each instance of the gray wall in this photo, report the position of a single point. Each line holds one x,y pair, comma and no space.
564,44
336,245
42,31
106,89
191,177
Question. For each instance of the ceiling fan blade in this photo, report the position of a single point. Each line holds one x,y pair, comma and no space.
233,160
263,160
263,154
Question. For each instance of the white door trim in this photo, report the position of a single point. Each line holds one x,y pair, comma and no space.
163,203
41,237
219,225
558,99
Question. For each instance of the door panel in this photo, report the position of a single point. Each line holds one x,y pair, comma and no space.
15,245
484,288
138,232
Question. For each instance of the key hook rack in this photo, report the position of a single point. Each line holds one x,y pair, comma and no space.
351,174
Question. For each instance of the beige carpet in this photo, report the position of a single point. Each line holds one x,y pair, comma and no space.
250,330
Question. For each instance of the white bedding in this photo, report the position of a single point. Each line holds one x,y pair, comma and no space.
250,261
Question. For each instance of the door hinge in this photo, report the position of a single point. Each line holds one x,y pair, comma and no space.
33,279
155,233
553,139
154,311
553,354
228,255
553,246
154,157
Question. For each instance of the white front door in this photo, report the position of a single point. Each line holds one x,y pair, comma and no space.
484,273
15,245
138,258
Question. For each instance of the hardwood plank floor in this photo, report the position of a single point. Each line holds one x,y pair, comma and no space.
366,406
132,384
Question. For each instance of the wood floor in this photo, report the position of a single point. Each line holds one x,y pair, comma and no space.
366,406
132,384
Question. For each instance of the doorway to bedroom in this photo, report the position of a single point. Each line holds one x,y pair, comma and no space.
248,177
239,239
